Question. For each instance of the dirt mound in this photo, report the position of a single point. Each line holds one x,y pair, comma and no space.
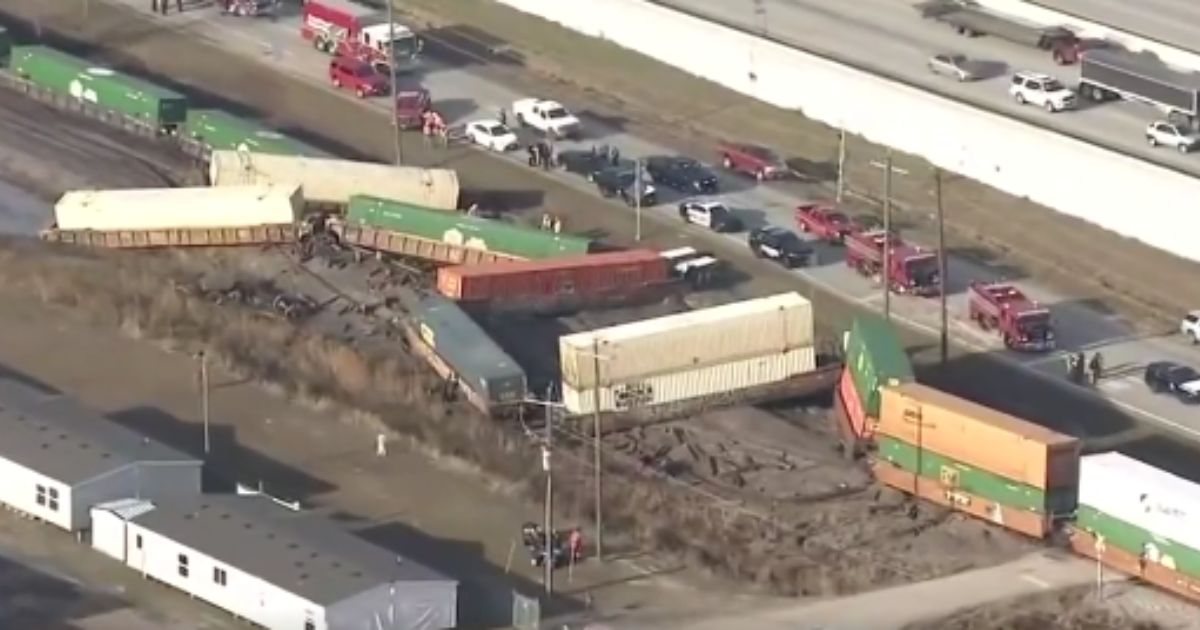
839,536
1071,609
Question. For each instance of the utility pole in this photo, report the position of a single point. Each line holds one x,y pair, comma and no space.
637,194
202,356
397,143
547,447
941,228
596,448
841,164
760,10
888,170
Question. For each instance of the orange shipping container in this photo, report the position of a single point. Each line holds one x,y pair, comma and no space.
1028,523
985,438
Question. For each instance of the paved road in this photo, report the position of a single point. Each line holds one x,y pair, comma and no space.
925,601
888,37
1175,22
471,95
20,212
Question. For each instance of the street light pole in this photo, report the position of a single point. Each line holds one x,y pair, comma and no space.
637,194
203,358
596,448
941,227
841,164
888,170
398,146
547,447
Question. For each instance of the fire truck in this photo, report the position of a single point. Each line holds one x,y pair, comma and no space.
339,27
912,270
1023,323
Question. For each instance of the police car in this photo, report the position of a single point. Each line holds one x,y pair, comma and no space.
698,269
713,215
782,246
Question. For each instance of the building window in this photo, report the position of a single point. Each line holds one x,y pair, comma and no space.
183,565
53,499
219,575
138,541
41,495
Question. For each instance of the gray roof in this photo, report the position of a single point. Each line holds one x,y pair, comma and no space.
62,439
305,554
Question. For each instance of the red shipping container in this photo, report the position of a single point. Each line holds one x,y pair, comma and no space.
589,276
860,424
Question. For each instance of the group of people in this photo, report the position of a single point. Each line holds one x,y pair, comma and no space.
551,223
160,6
542,154
1080,370
433,125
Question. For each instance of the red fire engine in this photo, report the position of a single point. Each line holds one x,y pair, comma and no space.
1023,323
911,270
339,27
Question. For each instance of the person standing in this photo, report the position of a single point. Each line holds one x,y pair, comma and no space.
154,6
179,6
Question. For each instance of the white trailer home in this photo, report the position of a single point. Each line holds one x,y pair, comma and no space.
59,458
276,567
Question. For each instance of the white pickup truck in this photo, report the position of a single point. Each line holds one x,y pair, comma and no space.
549,117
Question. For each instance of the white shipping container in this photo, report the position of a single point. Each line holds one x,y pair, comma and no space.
174,208
714,379
333,181
1141,495
696,339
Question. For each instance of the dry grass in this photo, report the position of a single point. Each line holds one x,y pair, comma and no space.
1071,609
133,292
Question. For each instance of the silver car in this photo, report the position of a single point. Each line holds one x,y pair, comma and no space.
957,66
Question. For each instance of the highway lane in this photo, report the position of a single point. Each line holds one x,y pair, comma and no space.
471,95
889,37
1174,22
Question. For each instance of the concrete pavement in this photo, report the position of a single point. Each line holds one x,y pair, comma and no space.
20,212
888,37
1174,22
468,95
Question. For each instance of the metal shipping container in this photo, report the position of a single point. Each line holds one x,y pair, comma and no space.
660,389
480,364
154,106
458,229
1139,77
167,208
1143,496
875,356
219,130
1023,521
332,182
1137,540
985,438
666,345
861,426
589,275
955,474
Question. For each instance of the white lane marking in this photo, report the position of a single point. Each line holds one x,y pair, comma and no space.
1036,581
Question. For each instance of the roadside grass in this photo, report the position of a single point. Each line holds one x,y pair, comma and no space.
1146,285
1069,609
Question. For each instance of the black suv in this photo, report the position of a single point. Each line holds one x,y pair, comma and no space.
620,181
587,162
1180,380
782,246
682,173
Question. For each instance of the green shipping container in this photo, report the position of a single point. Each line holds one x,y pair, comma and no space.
1135,540
226,132
458,229
48,68
973,480
875,357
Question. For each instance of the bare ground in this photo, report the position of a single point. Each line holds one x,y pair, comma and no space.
1072,609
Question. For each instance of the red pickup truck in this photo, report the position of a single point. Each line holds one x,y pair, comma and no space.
357,75
824,221
760,163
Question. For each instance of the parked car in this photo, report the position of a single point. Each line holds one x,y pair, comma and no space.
1042,90
681,173
492,135
1172,136
549,117
782,246
587,162
621,181
953,65
358,76
1168,377
823,221
760,163
1190,326
713,215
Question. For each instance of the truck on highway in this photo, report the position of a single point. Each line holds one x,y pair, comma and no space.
911,269
972,21
1116,74
340,27
1022,323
